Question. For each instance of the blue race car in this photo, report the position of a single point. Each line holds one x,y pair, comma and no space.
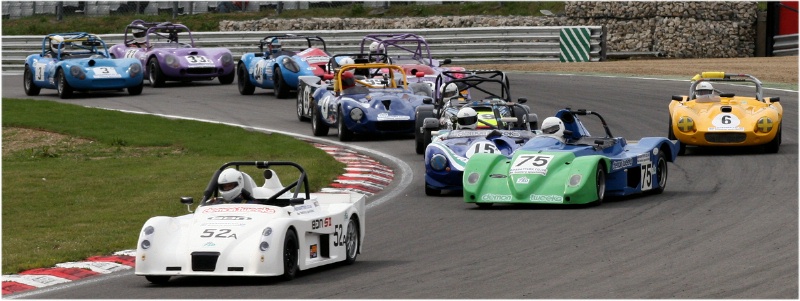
567,165
278,68
362,98
79,61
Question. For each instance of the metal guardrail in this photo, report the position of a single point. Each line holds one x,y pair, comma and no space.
461,45
785,45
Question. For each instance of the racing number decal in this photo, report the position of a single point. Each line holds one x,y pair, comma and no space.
306,98
258,74
218,233
321,223
38,71
482,147
647,175
131,53
197,59
339,237
324,105
531,164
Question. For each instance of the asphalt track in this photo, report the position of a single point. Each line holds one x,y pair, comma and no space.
725,227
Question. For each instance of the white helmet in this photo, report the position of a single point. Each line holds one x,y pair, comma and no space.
375,47
449,90
230,177
275,46
704,88
54,42
467,118
139,35
553,126
347,61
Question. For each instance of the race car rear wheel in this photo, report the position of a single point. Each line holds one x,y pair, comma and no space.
290,256
243,80
774,145
136,90
64,89
345,134
154,73
31,89
303,93
281,88
353,239
228,78
661,172
484,205
157,279
432,191
600,183
419,122
318,127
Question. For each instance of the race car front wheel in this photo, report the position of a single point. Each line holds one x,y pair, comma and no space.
155,74
290,256
600,183
345,134
64,89
137,89
661,172
31,89
281,88
157,279
243,80
352,240
318,128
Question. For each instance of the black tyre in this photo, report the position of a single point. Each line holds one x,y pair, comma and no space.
154,73
429,191
345,134
64,89
774,145
427,135
160,280
243,80
419,143
136,90
31,89
281,88
522,117
227,79
484,205
318,127
303,92
661,172
290,256
600,184
353,239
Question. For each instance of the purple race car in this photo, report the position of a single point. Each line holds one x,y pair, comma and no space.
167,53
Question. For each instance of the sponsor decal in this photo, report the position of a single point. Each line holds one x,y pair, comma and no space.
230,218
531,164
313,252
321,223
217,209
317,59
620,164
642,159
386,116
490,197
209,244
303,207
523,180
547,198
498,176
223,224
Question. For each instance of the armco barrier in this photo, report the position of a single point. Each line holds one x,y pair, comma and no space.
785,45
463,45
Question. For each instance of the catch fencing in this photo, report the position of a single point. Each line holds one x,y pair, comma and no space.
478,45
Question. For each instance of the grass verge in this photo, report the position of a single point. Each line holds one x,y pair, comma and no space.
80,181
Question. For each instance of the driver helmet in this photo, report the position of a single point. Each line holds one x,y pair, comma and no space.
55,41
274,46
704,89
348,80
230,184
553,126
347,61
467,118
448,91
139,35
375,47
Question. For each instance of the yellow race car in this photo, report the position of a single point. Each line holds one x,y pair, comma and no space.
708,117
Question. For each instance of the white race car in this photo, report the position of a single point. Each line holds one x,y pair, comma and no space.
276,233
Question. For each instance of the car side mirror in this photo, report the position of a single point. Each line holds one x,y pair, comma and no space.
187,200
774,99
677,97
522,100
446,61
427,100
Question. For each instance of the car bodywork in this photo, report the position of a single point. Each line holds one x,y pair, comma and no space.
379,104
411,52
574,169
726,119
281,71
286,230
169,54
490,97
81,63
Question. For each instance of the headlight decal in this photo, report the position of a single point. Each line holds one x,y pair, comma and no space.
290,65
764,124
77,72
685,124
438,162
134,70
473,178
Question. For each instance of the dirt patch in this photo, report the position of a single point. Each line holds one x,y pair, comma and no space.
767,69
17,139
